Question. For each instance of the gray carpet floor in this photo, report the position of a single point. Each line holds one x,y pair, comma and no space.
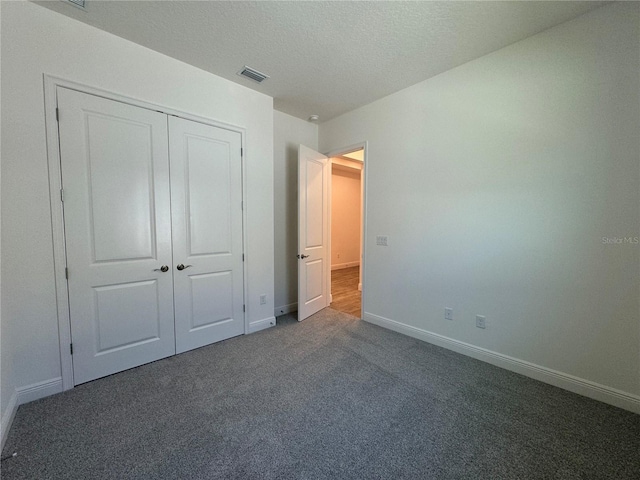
331,397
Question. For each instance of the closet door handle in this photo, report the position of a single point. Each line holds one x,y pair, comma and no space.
182,267
162,269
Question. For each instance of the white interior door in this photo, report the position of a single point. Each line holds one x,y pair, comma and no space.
313,231
206,206
115,174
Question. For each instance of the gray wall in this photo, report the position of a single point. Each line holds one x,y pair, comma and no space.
496,183
289,132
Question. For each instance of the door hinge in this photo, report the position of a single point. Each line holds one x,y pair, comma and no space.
71,348
66,273
57,114
244,308
243,257
62,194
241,152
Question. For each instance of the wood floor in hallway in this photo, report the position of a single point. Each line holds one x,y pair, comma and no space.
344,289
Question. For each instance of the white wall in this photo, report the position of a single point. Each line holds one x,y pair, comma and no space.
496,183
289,132
35,41
345,217
5,358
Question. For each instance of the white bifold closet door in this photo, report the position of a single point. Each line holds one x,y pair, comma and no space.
144,196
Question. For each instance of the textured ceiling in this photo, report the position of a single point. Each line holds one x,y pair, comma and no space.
325,58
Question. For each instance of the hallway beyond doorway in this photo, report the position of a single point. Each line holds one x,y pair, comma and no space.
344,290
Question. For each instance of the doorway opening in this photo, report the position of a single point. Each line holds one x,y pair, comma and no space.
346,231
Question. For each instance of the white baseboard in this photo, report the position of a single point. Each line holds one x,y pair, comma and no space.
39,390
7,418
26,394
340,266
574,384
258,325
284,309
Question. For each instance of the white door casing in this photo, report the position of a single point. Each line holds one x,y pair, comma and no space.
313,231
115,174
206,207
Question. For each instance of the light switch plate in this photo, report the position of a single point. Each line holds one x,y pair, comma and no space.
382,240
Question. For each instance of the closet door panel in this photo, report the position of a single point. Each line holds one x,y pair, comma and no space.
115,174
206,205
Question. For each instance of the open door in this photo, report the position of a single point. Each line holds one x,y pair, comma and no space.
313,231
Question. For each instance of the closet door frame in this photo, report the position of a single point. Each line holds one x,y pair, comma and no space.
51,85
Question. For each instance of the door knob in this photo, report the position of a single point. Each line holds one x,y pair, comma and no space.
182,267
302,256
162,269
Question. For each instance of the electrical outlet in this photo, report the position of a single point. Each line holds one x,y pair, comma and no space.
263,299
448,313
481,321
382,240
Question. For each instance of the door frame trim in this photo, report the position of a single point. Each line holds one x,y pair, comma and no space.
363,177
51,84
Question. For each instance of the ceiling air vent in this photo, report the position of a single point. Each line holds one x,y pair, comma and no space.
254,75
77,3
